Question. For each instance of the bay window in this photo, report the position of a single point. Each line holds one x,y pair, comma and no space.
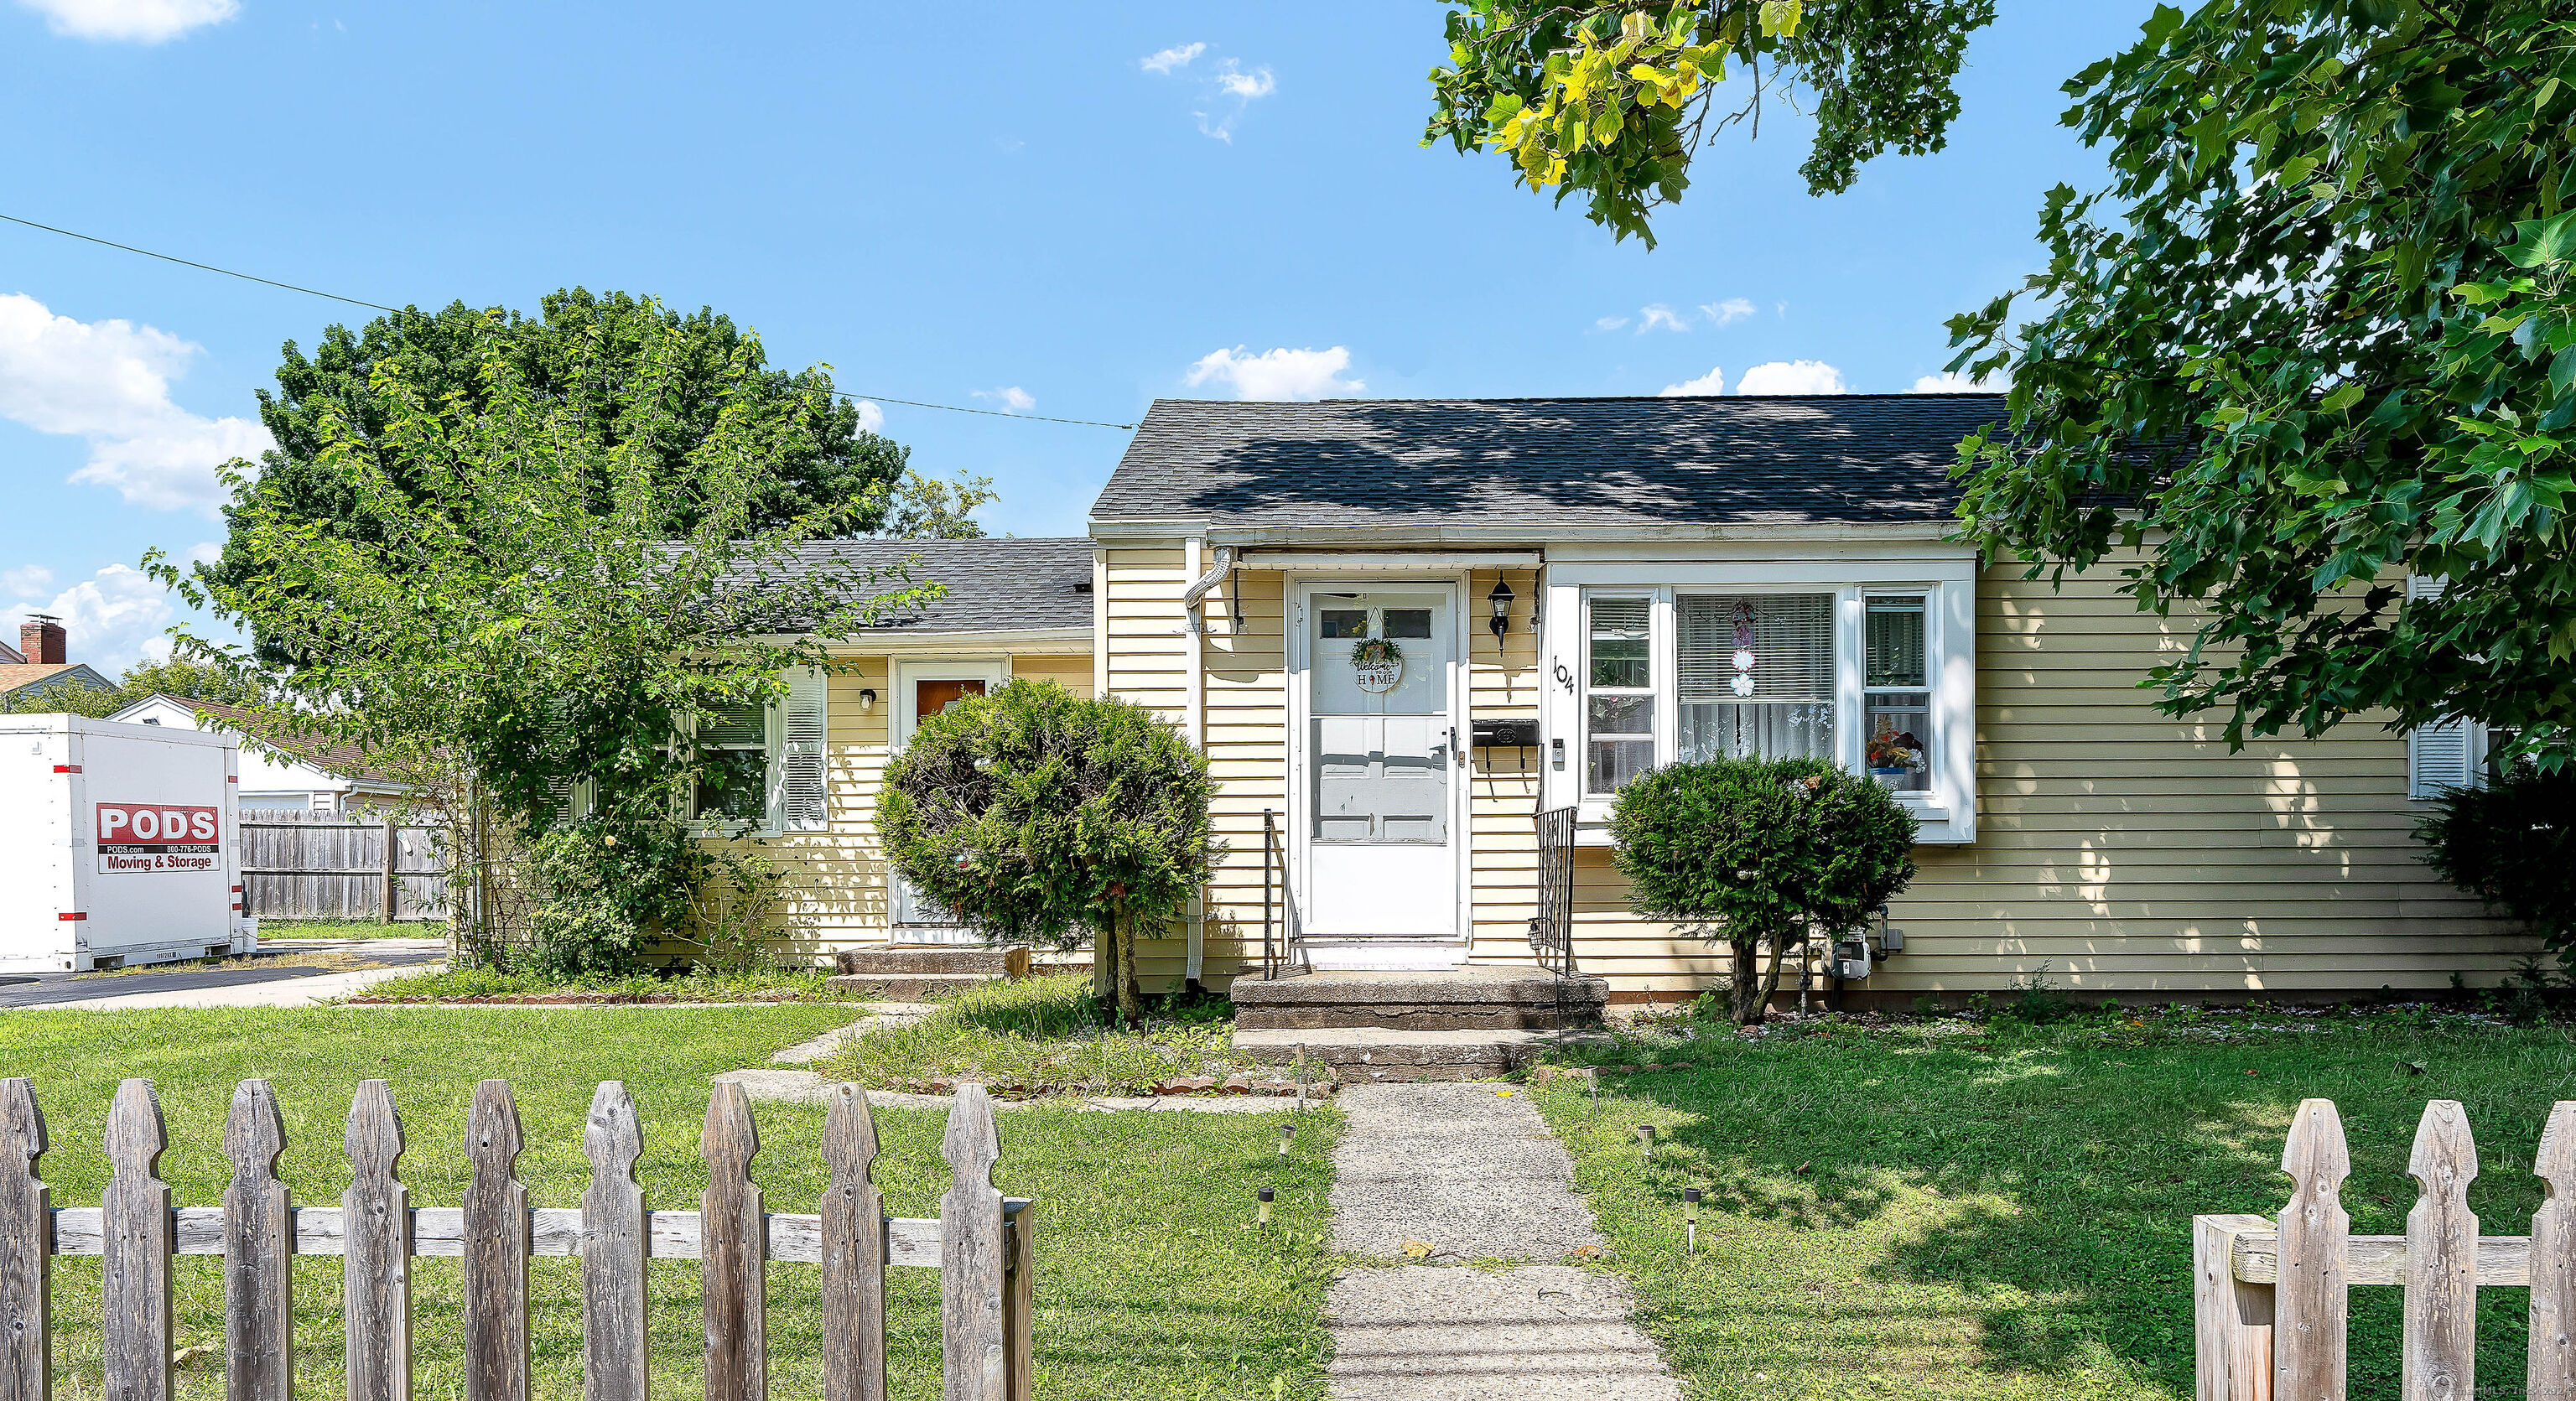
1698,660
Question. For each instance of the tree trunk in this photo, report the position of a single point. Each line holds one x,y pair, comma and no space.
1130,999
1744,988
1779,953
1104,963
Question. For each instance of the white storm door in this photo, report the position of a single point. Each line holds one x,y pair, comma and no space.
921,690
1379,765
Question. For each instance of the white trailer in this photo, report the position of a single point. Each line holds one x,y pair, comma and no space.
118,845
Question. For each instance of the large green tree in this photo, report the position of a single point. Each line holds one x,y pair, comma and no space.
523,606
2315,334
583,349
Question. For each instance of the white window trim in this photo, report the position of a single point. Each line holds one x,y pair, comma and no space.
1945,812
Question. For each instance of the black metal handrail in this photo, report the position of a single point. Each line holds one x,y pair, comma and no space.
1270,853
1551,929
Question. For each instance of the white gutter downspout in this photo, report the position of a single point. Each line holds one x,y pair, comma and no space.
1197,632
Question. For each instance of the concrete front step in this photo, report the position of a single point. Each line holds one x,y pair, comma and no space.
1359,1057
916,973
1460,999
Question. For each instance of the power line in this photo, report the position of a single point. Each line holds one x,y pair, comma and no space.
379,306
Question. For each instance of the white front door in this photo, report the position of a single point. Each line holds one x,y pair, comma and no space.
1377,775
921,690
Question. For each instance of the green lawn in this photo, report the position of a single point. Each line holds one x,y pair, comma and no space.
1149,1285
1943,1211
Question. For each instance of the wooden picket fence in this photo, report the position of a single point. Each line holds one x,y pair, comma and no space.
981,1243
2271,1297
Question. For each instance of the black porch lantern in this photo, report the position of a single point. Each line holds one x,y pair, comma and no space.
1501,599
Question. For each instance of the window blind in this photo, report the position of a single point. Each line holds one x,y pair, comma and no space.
1790,638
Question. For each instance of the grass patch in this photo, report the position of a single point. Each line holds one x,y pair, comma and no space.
2003,1210
1042,1035
1149,1284
692,985
293,929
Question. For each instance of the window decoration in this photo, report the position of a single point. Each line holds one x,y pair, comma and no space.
1757,676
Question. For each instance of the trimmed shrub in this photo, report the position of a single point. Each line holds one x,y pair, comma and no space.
2512,843
1761,854
1034,814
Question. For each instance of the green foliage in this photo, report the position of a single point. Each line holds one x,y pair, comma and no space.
590,352
2512,843
611,885
1033,814
1613,98
1761,854
922,507
181,679
2316,334
521,606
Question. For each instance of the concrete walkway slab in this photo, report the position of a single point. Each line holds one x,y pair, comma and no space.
1472,1171
1533,1334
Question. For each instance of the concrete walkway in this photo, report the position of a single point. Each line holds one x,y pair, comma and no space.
1475,1175
277,978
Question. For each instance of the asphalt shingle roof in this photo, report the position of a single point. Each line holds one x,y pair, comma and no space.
1826,459
993,585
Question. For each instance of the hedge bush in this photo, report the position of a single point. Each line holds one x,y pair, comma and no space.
1035,814
1761,854
2512,843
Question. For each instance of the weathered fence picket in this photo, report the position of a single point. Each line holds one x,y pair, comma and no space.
983,1244
2271,1298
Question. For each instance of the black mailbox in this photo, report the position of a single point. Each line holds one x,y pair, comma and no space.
1507,734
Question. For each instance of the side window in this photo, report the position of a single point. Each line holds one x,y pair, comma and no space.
733,778
1898,683
1619,693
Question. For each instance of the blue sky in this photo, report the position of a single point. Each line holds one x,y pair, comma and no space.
1061,210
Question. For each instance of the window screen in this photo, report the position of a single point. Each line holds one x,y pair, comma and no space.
733,770
1757,676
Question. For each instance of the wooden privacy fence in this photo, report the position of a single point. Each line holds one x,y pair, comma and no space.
981,1244
324,866
2271,1298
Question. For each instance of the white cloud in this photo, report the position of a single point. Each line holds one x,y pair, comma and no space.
119,615
1659,317
1952,382
109,382
1714,382
1277,374
871,416
1229,90
1234,82
1012,398
1792,377
27,582
143,21
1609,323
1177,56
1728,312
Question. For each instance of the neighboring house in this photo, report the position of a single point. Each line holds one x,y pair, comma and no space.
316,778
1013,608
1677,578
39,664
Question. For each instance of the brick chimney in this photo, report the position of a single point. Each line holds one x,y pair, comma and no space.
42,638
